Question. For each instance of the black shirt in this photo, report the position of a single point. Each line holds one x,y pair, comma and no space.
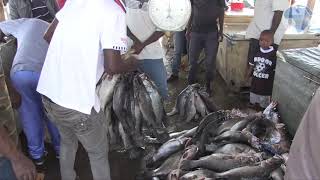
40,10
263,74
206,14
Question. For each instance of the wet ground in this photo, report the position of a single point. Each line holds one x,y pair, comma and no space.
122,168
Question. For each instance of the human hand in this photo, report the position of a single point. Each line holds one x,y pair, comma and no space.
133,60
137,47
23,167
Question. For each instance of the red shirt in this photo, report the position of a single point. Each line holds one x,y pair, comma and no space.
61,3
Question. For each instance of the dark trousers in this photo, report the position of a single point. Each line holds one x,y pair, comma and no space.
180,46
208,42
254,48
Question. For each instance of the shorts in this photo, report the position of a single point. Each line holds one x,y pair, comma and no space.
263,101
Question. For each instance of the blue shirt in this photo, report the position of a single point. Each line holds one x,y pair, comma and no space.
32,48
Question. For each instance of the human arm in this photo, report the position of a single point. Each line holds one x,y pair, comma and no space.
50,31
132,36
22,166
139,46
278,7
113,64
249,72
276,20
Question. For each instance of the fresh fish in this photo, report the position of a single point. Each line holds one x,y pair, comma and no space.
270,112
238,123
210,105
261,128
198,175
105,89
208,127
200,105
190,109
216,118
155,97
227,125
167,149
239,137
177,134
183,104
127,142
118,106
239,126
236,148
190,152
263,169
169,164
189,133
178,102
212,147
110,124
176,174
221,162
145,105
285,157
277,174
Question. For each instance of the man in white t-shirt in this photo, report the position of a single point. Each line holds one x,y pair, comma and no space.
144,41
82,47
267,16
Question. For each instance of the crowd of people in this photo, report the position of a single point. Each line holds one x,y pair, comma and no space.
62,54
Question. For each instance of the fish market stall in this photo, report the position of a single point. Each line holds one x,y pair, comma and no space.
226,144
296,80
232,55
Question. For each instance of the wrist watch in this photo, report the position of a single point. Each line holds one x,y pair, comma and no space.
170,15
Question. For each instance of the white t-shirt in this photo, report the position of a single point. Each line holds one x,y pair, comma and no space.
74,61
262,20
140,24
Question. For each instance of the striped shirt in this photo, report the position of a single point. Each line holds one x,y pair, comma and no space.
40,10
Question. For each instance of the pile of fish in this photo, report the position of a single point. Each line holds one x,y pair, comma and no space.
192,103
225,145
133,109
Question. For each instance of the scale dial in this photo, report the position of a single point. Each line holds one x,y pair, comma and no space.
170,15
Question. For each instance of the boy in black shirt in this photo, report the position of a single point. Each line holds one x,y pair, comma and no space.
262,68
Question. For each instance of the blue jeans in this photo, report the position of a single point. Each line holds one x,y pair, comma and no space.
6,171
180,44
155,69
33,118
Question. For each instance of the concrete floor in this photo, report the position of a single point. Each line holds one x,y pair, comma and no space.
121,167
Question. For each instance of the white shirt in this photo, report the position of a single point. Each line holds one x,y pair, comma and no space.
140,24
262,20
74,61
